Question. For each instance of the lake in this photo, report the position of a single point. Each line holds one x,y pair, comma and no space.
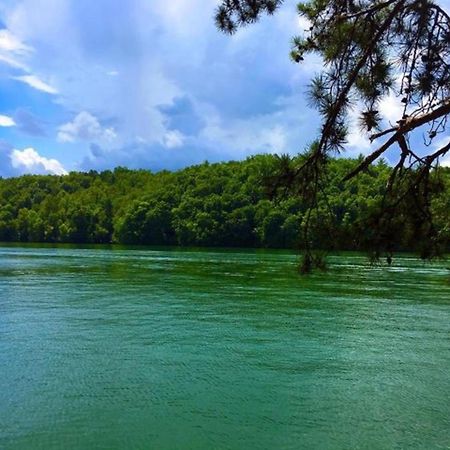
121,348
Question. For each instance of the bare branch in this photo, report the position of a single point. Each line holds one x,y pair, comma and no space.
403,128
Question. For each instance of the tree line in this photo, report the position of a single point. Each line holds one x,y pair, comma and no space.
227,204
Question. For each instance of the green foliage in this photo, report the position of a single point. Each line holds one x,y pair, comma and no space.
226,204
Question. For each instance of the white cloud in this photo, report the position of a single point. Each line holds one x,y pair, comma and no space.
244,137
160,50
11,43
181,16
391,108
85,127
36,83
10,61
173,139
29,161
6,121
135,60
357,139
13,50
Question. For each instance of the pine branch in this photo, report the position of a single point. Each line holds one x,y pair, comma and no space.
402,129
367,11
338,105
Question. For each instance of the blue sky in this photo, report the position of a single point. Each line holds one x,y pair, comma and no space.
148,84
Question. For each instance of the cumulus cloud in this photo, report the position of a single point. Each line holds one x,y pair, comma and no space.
29,160
36,83
14,162
85,127
6,121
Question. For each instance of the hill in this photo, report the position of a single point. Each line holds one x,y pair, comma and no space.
224,204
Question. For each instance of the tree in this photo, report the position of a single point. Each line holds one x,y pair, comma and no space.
371,49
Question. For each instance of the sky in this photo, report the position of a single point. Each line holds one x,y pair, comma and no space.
149,84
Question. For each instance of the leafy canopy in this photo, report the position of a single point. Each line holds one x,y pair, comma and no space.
223,204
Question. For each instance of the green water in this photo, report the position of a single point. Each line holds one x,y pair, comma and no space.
141,349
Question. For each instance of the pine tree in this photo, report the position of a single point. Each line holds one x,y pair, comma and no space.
372,49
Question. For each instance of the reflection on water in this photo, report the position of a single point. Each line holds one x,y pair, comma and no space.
167,349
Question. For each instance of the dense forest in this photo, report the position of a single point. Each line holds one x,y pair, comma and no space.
224,204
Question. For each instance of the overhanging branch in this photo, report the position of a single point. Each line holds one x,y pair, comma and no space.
405,126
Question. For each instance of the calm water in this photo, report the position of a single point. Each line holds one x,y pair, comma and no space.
142,349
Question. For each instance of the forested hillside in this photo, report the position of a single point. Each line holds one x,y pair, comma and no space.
225,204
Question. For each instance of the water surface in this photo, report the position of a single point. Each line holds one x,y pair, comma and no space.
168,349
